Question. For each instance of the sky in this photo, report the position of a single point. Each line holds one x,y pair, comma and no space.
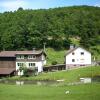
12,5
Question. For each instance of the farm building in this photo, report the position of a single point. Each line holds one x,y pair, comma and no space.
11,61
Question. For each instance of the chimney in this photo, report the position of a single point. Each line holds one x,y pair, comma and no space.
72,46
33,50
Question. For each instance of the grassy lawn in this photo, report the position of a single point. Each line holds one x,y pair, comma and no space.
68,76
31,92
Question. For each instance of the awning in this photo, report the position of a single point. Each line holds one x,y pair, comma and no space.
6,71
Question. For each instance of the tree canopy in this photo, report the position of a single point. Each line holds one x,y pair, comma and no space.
25,29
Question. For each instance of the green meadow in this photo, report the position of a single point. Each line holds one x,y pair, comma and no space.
32,92
57,91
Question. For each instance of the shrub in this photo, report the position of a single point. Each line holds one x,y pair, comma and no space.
54,62
30,71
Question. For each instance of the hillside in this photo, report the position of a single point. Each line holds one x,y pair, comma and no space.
55,56
58,28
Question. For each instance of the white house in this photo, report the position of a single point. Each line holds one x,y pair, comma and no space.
77,57
15,59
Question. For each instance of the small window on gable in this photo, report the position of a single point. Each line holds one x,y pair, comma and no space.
73,53
82,53
73,60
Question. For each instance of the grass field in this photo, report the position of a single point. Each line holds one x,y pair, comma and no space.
31,92
68,76
57,91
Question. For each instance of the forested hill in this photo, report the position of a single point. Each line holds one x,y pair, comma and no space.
58,27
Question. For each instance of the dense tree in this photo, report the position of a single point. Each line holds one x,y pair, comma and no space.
25,29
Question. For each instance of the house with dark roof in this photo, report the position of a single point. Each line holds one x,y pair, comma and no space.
77,57
11,61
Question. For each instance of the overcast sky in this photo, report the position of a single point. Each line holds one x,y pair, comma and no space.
11,5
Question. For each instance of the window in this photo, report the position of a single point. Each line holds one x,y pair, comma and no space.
20,64
82,53
20,57
73,60
73,53
31,64
31,57
34,57
25,56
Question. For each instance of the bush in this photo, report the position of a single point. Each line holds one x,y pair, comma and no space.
30,71
54,62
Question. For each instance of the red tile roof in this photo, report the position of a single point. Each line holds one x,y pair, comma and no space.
6,71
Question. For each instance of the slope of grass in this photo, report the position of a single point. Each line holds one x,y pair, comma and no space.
31,92
68,76
54,55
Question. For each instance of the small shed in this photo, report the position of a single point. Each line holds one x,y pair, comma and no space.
54,67
7,72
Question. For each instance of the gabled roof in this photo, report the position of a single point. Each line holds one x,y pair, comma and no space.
14,53
72,50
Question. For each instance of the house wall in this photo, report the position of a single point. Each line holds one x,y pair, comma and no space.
38,64
7,62
79,59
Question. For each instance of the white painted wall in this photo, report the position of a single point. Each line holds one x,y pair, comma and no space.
37,64
79,59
